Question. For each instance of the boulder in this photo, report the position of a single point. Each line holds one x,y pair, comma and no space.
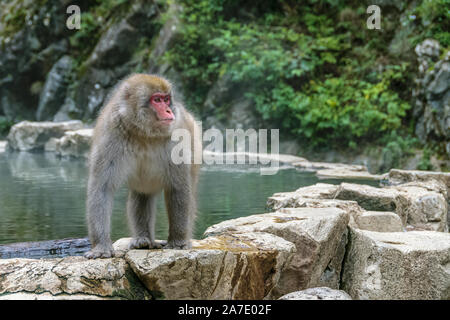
319,293
251,157
316,232
423,208
27,136
415,205
50,145
369,198
344,173
64,278
397,176
289,199
397,265
244,266
432,95
379,221
54,91
75,143
315,166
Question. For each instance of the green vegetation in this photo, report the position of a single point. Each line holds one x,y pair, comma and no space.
311,68
5,125
92,23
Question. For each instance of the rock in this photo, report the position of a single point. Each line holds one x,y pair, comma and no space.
396,176
415,205
222,267
75,143
45,249
397,265
289,199
225,94
347,174
49,296
114,46
319,293
29,52
61,278
432,95
68,111
54,91
26,135
369,198
423,208
3,145
50,145
351,207
315,166
316,233
251,157
165,39
379,221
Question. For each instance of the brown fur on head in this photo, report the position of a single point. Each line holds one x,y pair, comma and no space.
133,105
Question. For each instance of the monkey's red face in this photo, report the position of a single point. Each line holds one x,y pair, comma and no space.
160,102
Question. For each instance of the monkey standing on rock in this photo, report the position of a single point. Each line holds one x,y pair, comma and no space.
132,143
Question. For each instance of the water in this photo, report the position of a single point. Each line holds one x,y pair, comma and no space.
42,197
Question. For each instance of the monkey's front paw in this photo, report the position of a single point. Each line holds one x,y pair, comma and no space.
144,242
178,244
100,252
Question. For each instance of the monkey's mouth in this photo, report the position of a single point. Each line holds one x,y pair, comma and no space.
166,121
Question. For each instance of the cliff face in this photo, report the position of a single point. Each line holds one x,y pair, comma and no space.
49,72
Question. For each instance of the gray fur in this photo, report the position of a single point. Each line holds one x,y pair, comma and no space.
129,146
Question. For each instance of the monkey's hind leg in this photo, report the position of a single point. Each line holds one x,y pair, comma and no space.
181,211
99,208
141,210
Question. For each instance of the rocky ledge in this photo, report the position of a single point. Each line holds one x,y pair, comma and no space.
323,241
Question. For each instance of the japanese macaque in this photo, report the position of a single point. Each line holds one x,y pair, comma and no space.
132,144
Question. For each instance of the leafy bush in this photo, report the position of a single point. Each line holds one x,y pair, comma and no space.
5,125
312,69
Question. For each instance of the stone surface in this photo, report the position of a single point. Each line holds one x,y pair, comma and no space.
26,135
423,208
67,277
252,157
319,293
54,91
347,174
415,205
432,95
397,265
289,199
379,221
315,166
397,176
75,143
369,198
50,145
316,233
245,266
3,145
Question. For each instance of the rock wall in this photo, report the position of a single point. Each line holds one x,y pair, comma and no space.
432,94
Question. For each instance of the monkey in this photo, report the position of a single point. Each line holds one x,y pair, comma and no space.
132,144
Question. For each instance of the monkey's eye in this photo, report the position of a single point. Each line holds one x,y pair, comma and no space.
157,99
166,99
